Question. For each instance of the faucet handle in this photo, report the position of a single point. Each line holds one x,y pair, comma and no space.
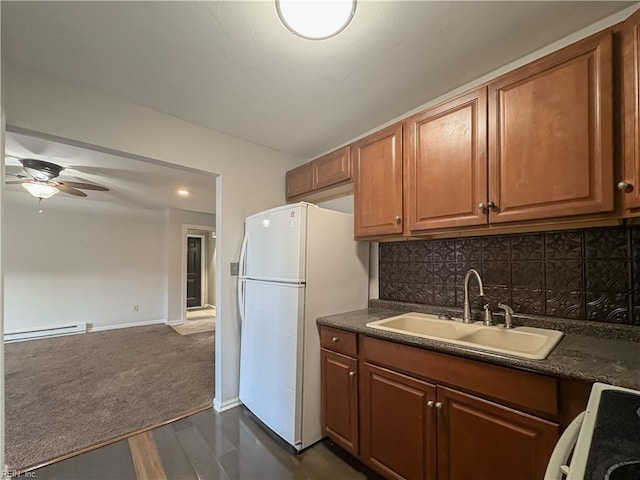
488,316
508,315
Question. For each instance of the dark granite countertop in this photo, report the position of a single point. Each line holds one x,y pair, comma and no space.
578,356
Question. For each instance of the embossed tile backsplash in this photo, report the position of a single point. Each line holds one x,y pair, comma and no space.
589,274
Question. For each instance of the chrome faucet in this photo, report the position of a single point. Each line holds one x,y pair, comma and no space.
466,316
508,315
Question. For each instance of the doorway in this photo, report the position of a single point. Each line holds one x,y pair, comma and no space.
198,273
195,271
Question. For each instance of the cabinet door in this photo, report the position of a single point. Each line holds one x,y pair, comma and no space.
550,135
397,426
332,169
631,73
299,180
445,170
377,184
340,399
480,439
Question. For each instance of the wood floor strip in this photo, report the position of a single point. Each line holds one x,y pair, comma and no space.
113,440
146,458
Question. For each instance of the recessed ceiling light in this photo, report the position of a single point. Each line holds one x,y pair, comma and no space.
184,193
314,19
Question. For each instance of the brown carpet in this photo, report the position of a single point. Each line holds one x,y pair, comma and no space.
67,393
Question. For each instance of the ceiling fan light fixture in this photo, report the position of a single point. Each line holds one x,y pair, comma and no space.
40,190
316,19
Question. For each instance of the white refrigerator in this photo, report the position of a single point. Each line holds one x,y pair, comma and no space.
297,262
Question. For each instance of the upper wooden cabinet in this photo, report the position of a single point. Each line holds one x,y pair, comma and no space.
299,180
551,137
630,182
377,182
445,164
332,169
327,171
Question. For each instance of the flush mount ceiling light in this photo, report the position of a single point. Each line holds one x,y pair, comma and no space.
40,190
183,193
316,20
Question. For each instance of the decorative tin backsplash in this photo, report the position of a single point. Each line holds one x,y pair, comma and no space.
584,274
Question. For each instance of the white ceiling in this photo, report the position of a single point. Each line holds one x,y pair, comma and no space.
132,183
233,66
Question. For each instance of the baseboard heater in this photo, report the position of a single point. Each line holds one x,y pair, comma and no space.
44,332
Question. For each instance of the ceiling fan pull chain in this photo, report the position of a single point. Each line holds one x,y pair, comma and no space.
40,205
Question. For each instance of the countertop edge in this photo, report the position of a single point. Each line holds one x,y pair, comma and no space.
554,365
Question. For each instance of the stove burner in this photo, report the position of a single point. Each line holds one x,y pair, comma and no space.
624,471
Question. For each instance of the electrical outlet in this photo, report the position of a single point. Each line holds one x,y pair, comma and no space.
234,268
136,308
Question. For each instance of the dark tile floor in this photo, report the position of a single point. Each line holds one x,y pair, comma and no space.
209,445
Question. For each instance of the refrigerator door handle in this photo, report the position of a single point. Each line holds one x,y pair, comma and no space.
241,271
242,262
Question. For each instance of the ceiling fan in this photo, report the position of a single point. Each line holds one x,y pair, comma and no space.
40,182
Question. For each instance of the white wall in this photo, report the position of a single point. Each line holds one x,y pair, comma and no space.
81,266
175,219
251,177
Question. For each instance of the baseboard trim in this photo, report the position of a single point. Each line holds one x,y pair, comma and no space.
125,325
174,322
226,405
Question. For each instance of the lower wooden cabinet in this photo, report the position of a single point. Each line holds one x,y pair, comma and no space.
397,426
405,427
478,439
340,399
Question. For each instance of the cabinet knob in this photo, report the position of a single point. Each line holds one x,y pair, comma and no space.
625,187
335,339
491,205
438,405
482,206
430,403
352,374
398,219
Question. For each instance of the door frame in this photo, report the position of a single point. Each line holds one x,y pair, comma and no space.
183,289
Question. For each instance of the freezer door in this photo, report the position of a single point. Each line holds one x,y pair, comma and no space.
271,356
275,245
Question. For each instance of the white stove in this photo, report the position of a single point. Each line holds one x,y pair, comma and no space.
606,438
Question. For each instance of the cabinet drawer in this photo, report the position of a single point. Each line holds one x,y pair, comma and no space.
339,340
531,392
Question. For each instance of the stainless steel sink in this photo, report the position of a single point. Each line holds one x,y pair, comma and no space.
525,342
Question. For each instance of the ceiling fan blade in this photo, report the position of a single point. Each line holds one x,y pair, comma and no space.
70,190
16,182
85,186
18,175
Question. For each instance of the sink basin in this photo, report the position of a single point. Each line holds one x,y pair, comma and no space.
525,342
506,339
424,325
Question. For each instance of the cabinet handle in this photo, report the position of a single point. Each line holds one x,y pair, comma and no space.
625,187
335,339
430,403
438,405
398,219
352,374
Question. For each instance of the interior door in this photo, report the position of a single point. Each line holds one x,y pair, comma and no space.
194,272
